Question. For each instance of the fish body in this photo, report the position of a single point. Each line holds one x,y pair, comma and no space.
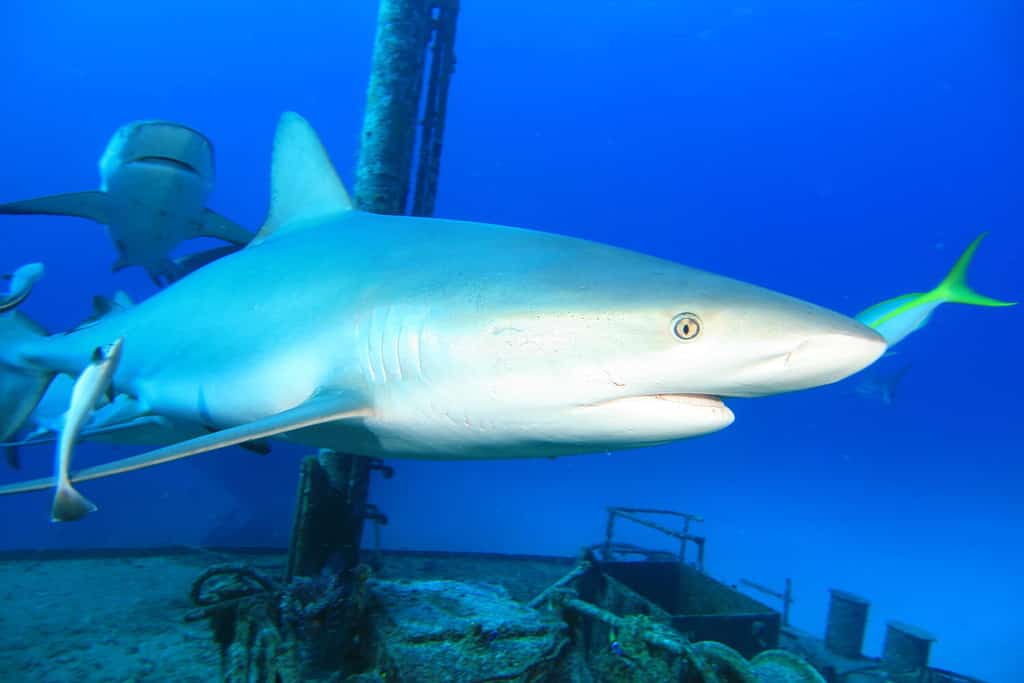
69,504
432,338
900,316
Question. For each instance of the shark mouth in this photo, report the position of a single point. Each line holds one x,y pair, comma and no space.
167,161
650,419
691,400
701,400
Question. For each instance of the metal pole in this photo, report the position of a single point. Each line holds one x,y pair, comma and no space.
442,66
392,106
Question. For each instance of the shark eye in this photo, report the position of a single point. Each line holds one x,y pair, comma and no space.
686,326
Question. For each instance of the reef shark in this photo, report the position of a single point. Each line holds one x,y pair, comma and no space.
395,336
156,177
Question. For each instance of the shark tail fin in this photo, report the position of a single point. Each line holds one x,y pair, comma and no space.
20,387
954,287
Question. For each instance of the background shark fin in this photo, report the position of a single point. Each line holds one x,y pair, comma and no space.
13,457
94,205
315,411
147,430
20,387
196,260
303,182
954,287
212,224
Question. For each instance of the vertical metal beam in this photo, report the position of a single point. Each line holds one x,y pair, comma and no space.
435,106
329,513
392,106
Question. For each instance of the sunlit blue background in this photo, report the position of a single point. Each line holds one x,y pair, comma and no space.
842,152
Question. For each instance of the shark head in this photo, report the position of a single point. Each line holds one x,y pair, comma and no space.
159,143
622,350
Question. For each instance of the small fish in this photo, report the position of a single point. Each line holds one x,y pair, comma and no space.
21,282
613,642
69,504
896,318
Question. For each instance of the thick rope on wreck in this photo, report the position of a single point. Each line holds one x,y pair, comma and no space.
238,583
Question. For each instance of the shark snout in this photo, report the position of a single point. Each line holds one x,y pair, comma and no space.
829,357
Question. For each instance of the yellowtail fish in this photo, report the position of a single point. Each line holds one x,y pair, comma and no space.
896,318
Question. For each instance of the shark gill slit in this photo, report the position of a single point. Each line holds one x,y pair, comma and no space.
394,328
398,337
416,340
380,339
363,331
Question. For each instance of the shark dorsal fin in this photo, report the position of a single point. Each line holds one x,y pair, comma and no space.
303,182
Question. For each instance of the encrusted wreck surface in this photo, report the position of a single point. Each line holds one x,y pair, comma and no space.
120,615
473,632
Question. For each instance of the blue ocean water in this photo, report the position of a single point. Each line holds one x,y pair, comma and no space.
843,153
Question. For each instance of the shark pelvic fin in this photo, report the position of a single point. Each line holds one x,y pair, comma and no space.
303,182
94,205
317,410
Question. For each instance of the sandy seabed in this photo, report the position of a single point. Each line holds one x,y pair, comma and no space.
104,619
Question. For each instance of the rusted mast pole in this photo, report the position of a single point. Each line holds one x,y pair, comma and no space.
392,106
334,487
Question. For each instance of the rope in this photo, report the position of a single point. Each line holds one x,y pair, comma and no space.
247,583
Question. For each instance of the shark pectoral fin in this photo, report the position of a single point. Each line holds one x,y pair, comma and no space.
94,205
318,410
34,439
258,446
9,303
215,225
